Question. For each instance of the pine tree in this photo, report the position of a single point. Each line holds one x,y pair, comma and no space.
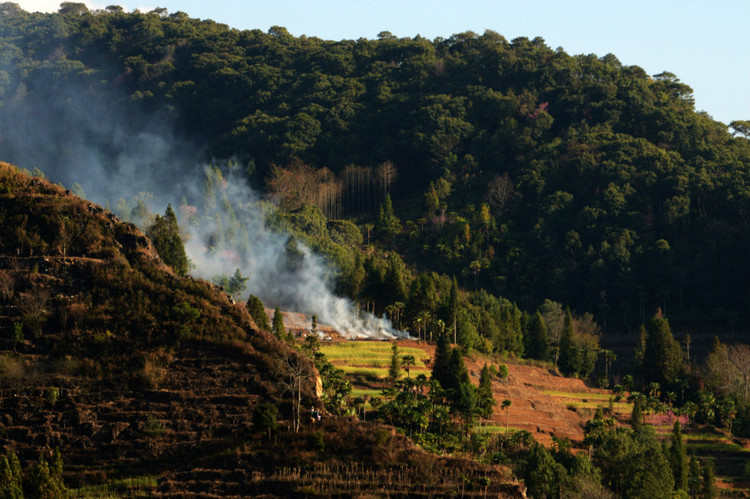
452,307
388,224
42,484
708,480
486,401
636,417
568,361
277,326
694,477
537,340
258,313
431,200
442,360
541,473
678,458
165,234
237,284
264,418
394,371
56,467
10,481
393,281
662,356
465,401
462,393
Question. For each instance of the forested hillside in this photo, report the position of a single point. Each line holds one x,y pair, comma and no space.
512,166
509,198
132,381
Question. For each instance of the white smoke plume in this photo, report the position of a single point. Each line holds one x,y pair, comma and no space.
299,282
115,154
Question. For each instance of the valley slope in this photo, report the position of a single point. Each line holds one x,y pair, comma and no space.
131,371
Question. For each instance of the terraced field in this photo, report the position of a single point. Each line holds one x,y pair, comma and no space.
542,402
367,362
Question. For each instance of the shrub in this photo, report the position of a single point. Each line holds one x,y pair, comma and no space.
43,482
381,436
12,370
317,441
264,418
51,395
746,472
152,427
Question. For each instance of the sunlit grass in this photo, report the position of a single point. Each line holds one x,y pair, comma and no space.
703,436
374,362
129,487
623,409
496,429
368,349
370,392
578,395
365,372
587,400
369,359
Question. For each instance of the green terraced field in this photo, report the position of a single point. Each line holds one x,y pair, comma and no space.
370,353
496,429
587,400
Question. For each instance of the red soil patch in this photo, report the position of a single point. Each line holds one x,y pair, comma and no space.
539,413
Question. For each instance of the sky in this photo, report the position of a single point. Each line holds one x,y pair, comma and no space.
703,42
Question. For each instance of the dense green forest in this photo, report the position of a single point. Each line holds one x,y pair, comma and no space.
503,196
515,167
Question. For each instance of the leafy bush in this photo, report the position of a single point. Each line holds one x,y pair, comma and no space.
51,395
317,441
152,427
12,370
264,418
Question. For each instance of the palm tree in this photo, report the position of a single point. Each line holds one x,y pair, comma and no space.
618,390
505,406
406,362
609,356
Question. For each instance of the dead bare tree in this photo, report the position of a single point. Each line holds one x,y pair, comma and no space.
500,192
65,236
63,312
7,285
33,308
385,175
739,358
294,185
328,193
296,373
299,184
728,370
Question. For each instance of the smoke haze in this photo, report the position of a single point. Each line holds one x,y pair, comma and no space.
116,154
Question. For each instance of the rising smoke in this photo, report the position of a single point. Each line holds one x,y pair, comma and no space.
75,136
281,272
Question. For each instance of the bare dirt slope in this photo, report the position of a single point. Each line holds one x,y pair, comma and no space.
532,409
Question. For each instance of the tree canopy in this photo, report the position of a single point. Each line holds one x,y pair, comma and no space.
547,175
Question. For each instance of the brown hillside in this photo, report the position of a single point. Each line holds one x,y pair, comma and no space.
130,370
532,408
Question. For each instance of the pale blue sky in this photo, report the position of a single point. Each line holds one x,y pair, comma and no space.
705,43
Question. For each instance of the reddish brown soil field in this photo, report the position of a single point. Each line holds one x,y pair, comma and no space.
542,414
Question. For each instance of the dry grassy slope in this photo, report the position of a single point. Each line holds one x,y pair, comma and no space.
136,394
531,409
